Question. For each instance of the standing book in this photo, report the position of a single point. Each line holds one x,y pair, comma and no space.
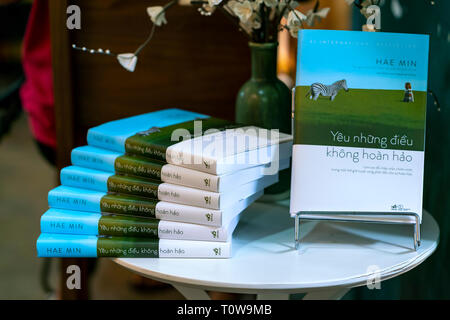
359,138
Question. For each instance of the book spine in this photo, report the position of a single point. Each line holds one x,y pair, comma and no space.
104,141
187,231
128,227
74,199
138,167
149,150
100,202
188,177
182,213
76,222
78,177
66,246
83,178
194,162
133,186
81,246
126,205
161,248
189,196
137,175
194,249
88,157
69,222
127,248
114,162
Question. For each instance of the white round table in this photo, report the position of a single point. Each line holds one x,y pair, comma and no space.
333,258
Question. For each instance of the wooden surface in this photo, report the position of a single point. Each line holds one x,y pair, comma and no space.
193,62
62,84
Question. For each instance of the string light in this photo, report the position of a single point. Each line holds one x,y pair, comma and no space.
106,52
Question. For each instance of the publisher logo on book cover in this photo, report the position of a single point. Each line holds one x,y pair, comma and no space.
399,207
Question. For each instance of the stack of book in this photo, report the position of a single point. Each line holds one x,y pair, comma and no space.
170,183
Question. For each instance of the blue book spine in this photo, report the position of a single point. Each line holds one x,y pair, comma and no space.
112,135
70,222
66,246
85,178
94,158
69,198
60,221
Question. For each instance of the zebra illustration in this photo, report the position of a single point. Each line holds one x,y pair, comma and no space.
149,131
331,91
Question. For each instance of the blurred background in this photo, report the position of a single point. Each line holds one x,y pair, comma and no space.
181,68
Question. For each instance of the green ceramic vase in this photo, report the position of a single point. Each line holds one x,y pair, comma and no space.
265,101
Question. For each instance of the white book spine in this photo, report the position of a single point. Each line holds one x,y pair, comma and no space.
182,213
194,249
189,196
188,177
188,231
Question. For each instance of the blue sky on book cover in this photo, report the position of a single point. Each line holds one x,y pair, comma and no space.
367,60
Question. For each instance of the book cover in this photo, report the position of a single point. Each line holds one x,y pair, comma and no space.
115,162
86,246
360,108
192,140
77,191
90,223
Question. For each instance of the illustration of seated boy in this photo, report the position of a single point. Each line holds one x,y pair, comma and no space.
408,97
